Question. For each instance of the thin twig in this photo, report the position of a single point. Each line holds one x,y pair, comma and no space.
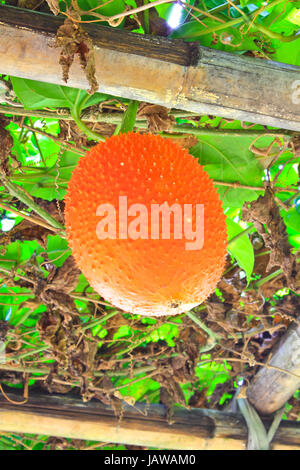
14,274
287,189
17,192
116,19
30,218
268,366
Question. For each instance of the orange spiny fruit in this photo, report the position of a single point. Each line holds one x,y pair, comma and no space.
146,268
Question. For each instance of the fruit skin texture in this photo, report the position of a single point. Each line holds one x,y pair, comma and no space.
144,276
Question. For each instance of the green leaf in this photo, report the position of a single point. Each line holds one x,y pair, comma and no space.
37,95
52,183
289,174
294,16
287,52
129,118
104,7
278,19
227,159
241,249
211,374
57,250
25,316
18,252
292,219
245,2
66,164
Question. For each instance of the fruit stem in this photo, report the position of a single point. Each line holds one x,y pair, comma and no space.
75,113
87,131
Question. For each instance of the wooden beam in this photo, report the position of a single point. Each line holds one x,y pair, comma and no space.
172,73
141,425
270,388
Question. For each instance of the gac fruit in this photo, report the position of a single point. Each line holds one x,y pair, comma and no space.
147,260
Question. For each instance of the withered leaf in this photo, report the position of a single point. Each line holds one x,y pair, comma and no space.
6,143
66,277
296,143
192,338
172,391
54,387
52,333
4,329
268,289
117,406
264,212
57,443
48,325
157,116
166,399
158,26
187,141
54,6
61,282
26,230
58,300
73,40
29,4
72,351
127,399
198,399
55,208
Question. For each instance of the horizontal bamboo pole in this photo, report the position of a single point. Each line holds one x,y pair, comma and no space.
141,425
172,73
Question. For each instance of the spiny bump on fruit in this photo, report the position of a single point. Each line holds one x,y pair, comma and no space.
144,276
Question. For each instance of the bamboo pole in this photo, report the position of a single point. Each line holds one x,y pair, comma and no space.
141,425
172,73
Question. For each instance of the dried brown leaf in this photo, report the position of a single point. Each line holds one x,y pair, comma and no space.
171,391
198,399
73,40
66,277
54,387
54,6
6,143
264,212
55,208
52,333
4,329
26,230
60,282
167,400
186,142
188,348
158,26
296,144
157,116
268,289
